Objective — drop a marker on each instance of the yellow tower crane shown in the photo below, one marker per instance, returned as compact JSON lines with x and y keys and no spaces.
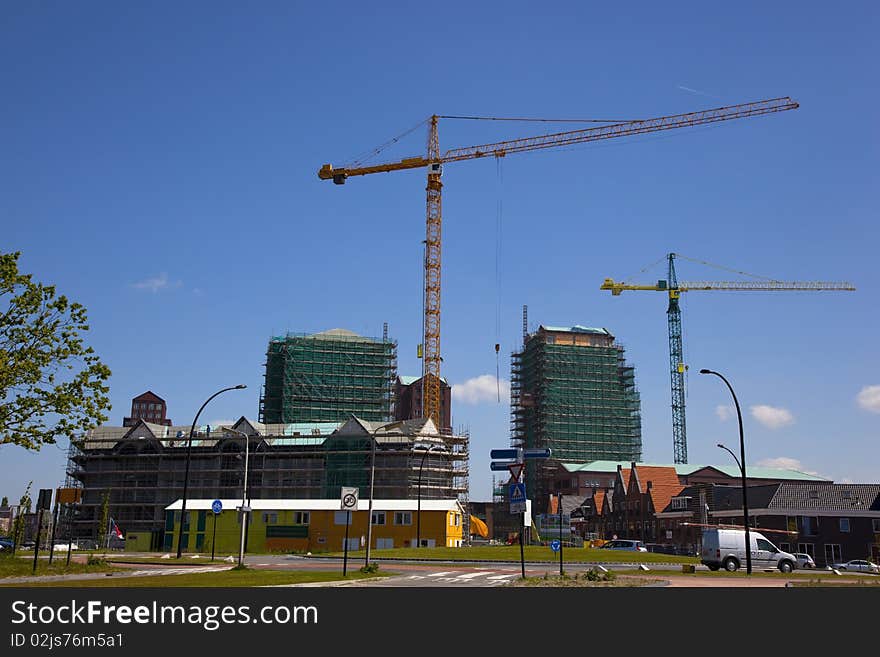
{"x":434,"y":159}
{"x":677,"y":366}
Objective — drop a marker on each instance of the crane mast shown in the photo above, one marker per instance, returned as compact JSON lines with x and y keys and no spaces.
{"x":676,"y":367}
{"x":434,"y":160}
{"x":433,"y":225}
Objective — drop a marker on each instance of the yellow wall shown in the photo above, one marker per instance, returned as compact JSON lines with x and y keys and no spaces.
{"x":322,"y":534}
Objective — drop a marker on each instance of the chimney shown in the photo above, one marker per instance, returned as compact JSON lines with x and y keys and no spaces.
{"x":650,"y":485}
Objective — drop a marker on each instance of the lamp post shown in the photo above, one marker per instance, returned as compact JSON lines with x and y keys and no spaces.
{"x":741,"y":462}
{"x":370,"y":505}
{"x":244,"y":507}
{"x":419,"y":504}
{"x":188,"y":456}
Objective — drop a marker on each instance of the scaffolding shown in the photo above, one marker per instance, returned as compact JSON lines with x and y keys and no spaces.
{"x":142,"y":468}
{"x":572,"y":391}
{"x":326,"y":377}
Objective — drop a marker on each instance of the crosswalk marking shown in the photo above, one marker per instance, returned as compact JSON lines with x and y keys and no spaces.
{"x":451,"y":572}
{"x":470,"y":575}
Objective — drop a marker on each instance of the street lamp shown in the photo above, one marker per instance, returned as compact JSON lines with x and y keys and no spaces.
{"x":370,"y":506}
{"x":741,"y":462}
{"x":188,"y":455}
{"x":419,"y":507}
{"x":244,"y":507}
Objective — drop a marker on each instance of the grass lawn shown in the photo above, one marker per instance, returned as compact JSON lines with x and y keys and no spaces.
{"x":20,"y":566}
{"x":225,"y":578}
{"x":533,"y":553}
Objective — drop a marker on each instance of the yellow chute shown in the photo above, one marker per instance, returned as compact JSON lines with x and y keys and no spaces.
{"x":479,"y":527}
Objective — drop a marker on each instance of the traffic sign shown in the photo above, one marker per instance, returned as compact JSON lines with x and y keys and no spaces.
{"x":501,"y":466}
{"x":555,"y":545}
{"x":504,"y":453}
{"x":537,"y":453}
{"x":516,"y":470}
{"x":216,"y":506}
{"x":517,"y":498}
{"x":348,"y":499}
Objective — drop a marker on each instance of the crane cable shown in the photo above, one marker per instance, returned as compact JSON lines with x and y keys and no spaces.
{"x":499,"y":213}
{"x":723,"y":268}
{"x":361,"y":159}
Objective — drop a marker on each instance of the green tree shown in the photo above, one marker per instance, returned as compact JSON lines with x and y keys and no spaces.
{"x":5,"y":503}
{"x":51,"y":383}
{"x":24,"y":507}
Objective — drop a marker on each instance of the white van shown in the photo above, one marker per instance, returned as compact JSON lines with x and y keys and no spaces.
{"x":725,"y":548}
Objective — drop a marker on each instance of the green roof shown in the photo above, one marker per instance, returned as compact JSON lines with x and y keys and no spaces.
{"x":577,"y":328}
{"x":752,"y":472}
{"x":409,"y":380}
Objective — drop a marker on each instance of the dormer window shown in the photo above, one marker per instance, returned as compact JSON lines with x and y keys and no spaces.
{"x":681,"y":503}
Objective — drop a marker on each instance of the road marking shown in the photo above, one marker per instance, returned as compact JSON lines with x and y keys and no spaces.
{"x":451,"y":572}
{"x":470,"y":575}
{"x":497,"y":577}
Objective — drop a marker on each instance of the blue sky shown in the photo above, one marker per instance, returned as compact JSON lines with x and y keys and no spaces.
{"x":159,"y":165}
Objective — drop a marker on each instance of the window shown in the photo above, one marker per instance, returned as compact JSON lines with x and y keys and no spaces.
{"x":807,"y":548}
{"x":844,"y":525}
{"x":456,"y":520}
{"x":875,"y":523}
{"x":681,"y":503}
{"x":809,"y":525}
{"x":270,"y":518}
{"x":403,"y":518}
{"x":340,"y":517}
{"x":764,"y":544}
{"x":785,"y":547}
{"x":378,"y":517}
{"x":300,"y":517}
{"x":832,"y":553}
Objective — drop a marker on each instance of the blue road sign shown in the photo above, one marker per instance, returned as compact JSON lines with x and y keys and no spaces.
{"x":517,"y":494}
{"x":555,"y":545}
{"x":504,"y":453}
{"x":500,"y":465}
{"x":216,"y":506}
{"x":538,"y":453}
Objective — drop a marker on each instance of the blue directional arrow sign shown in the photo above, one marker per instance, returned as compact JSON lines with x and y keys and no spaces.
{"x":554,"y":545}
{"x":504,"y":453}
{"x":500,"y":466}
{"x":216,"y":506}
{"x":537,"y":453}
{"x":517,"y":494}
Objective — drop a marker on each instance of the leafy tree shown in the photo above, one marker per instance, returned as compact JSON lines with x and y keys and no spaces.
{"x":51,"y":383}
{"x":5,"y":503}
{"x":25,"y":507}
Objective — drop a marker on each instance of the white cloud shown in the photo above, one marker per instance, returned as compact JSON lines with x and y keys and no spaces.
{"x":483,"y":388}
{"x":695,"y":91}
{"x":156,"y":283}
{"x":785,"y":463}
{"x":772,"y":417}
{"x":869,"y":398}
{"x":724,"y":413}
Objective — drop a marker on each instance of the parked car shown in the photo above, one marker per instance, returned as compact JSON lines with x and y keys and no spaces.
{"x":61,"y":546}
{"x":6,"y":545}
{"x":725,"y":548}
{"x":804,"y":560}
{"x":625,"y":544}
{"x":858,"y":566}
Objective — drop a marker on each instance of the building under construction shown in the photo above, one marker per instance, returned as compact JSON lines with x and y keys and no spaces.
{"x":572,"y":391}
{"x":137,"y":471}
{"x":327,"y":377}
